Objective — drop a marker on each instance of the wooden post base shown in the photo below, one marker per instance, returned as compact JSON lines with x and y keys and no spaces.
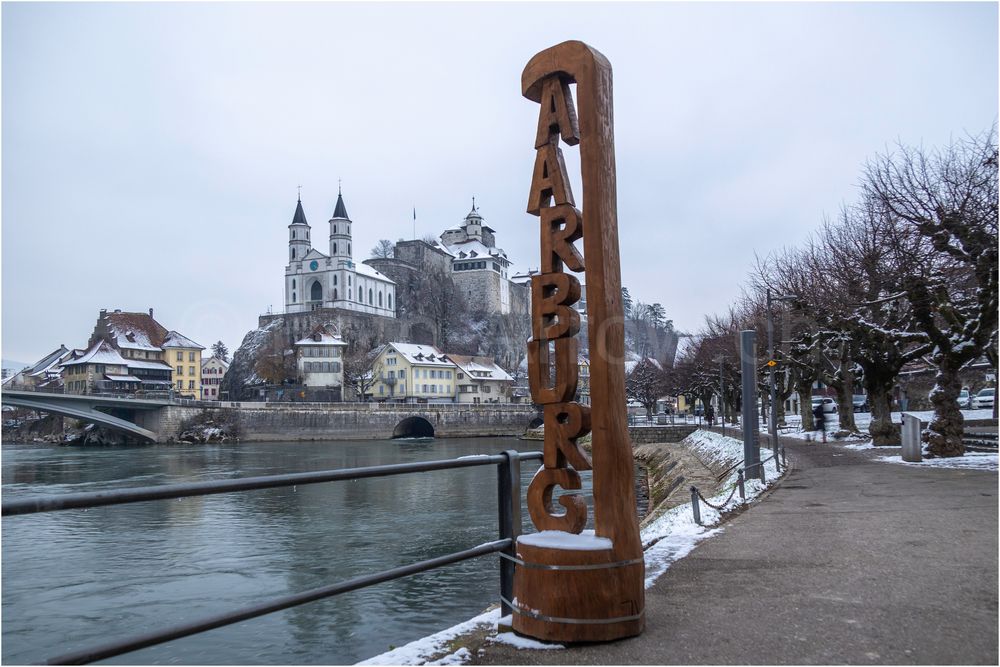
{"x":572,"y":588}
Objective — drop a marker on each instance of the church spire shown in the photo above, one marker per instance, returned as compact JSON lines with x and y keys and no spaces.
{"x":340,"y":211}
{"x":300,"y":216}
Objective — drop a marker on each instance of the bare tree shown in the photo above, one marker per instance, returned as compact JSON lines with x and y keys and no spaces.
{"x":941,"y":210}
{"x":647,"y":383}
{"x":384,"y":249}
{"x":361,"y":371}
{"x":276,"y":366}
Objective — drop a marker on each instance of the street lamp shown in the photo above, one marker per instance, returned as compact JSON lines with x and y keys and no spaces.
{"x":722,"y":394}
{"x":772,"y":426}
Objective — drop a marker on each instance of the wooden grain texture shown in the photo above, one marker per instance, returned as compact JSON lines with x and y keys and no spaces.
{"x":614,"y":594}
{"x":590,"y":598}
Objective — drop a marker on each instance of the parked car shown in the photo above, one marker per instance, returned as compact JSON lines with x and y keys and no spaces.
{"x":860,"y":402}
{"x":984,"y":399}
{"x":964,"y":399}
{"x":829,"y":405}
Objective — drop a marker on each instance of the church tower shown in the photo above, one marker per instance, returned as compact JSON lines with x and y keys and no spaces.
{"x":299,"y":243}
{"x":340,"y":233}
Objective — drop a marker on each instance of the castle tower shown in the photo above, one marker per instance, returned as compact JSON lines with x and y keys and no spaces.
{"x":340,"y":232}
{"x":299,"y":243}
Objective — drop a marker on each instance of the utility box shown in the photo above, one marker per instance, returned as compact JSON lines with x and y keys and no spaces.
{"x":911,"y":439}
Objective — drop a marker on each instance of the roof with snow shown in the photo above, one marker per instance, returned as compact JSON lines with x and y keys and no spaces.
{"x":426,"y":355}
{"x":100,"y":352}
{"x":473,"y":249}
{"x":321,"y":336}
{"x":175,"y":339}
{"x":209,"y":360}
{"x":47,"y":362}
{"x":480,"y":368}
{"x":149,"y":364}
{"x":135,"y":331}
{"x":363,"y":269}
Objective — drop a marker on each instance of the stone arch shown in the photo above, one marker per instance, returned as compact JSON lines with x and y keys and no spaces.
{"x":536,"y":422}
{"x":413,"y":427}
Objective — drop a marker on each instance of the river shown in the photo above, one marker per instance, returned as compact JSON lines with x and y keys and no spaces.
{"x":76,"y":578}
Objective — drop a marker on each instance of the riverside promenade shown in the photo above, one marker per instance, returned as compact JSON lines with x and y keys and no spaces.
{"x":847,"y":561}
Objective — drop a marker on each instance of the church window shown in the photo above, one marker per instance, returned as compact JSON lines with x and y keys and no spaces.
{"x":348,"y":281}
{"x":293,"y":253}
{"x":293,"y":297}
{"x":390,"y":300}
{"x":293,"y":283}
{"x":335,"y":279}
{"x":334,"y":228}
{"x":334,"y":293}
{"x":380,"y":299}
{"x":361,"y":298}
{"x":316,"y":292}
{"x":370,"y":300}
{"x":293,"y":233}
{"x":334,"y":248}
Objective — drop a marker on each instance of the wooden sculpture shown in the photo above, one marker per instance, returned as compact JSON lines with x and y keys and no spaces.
{"x":570,"y":584}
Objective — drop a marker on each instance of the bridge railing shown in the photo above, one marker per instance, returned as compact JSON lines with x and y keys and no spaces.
{"x":508,"y":515}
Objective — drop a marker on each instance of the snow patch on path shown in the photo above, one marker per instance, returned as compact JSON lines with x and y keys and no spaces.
{"x":970,"y":461}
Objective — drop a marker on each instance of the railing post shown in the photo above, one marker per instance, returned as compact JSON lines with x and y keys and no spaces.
{"x":695,"y":508}
{"x":743,"y":490}
{"x":509,"y":513}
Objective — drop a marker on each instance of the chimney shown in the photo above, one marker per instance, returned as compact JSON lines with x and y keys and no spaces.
{"x":104,"y":311}
{"x":150,"y":312}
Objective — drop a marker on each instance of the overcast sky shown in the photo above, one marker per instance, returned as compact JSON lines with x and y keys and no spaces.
{"x":151,"y":152}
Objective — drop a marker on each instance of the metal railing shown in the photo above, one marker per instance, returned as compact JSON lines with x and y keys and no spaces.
{"x":741,"y":476}
{"x":509,"y":520}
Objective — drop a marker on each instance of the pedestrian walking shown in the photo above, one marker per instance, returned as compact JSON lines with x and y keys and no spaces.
{"x":819,"y":417}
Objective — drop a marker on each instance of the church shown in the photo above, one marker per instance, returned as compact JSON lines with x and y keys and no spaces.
{"x":314,"y":280}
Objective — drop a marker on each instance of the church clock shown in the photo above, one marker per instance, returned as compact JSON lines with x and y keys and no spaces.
{"x":313,"y":265}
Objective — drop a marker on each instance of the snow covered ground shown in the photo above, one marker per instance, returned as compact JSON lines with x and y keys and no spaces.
{"x":666,"y":540}
{"x":970,"y":461}
{"x":863,"y":420}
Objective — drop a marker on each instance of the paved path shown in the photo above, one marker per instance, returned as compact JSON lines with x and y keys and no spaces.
{"x":848,"y":561}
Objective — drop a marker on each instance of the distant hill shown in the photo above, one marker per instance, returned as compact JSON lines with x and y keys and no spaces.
{"x":13,"y":365}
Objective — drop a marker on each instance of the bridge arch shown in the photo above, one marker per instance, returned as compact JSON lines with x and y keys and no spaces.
{"x":413,"y":427}
{"x":537,"y":421}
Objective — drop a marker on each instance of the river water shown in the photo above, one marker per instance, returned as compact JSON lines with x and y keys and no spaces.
{"x":76,"y":578}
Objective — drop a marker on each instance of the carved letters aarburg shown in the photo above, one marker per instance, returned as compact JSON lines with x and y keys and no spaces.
{"x":592,"y":591}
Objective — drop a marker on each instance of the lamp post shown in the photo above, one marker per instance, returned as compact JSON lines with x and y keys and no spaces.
{"x":722,"y":395}
{"x":772,"y":426}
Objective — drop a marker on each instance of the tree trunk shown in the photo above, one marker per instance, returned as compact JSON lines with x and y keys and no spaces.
{"x":845,"y":405}
{"x":883,"y":432}
{"x":944,"y":435}
{"x":804,"y":390}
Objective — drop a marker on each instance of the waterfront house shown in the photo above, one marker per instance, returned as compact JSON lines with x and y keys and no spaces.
{"x":319,"y":360}
{"x":480,"y":380}
{"x":99,"y":368}
{"x":412,"y":373}
{"x":212,"y":371}
{"x":184,"y":355}
{"x":43,"y":375}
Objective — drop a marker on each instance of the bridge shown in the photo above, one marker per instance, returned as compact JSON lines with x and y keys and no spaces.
{"x":87,"y":408}
{"x":163,"y":420}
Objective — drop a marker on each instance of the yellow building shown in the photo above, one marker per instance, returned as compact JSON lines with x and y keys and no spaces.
{"x":184,"y":356}
{"x":411,"y":373}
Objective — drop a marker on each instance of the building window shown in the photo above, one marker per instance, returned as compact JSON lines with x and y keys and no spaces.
{"x":370,"y":300}
{"x":335,"y":291}
{"x":294,"y":297}
{"x":380,"y":299}
{"x":190,"y":370}
{"x":180,"y":370}
{"x":348,"y":246}
{"x":180,"y":356}
{"x":335,"y":279}
{"x":335,"y":229}
{"x":191,"y":358}
{"x":293,"y":283}
{"x":293,"y":253}
{"x":190,"y":384}
{"x":361,"y":298}
{"x":180,"y":384}
{"x":334,"y":248}
{"x":402,"y":374}
{"x":390,"y":300}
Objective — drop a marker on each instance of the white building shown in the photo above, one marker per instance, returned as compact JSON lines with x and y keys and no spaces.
{"x":480,"y":380}
{"x":319,"y":358}
{"x":315,"y":280}
{"x":213,"y":370}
